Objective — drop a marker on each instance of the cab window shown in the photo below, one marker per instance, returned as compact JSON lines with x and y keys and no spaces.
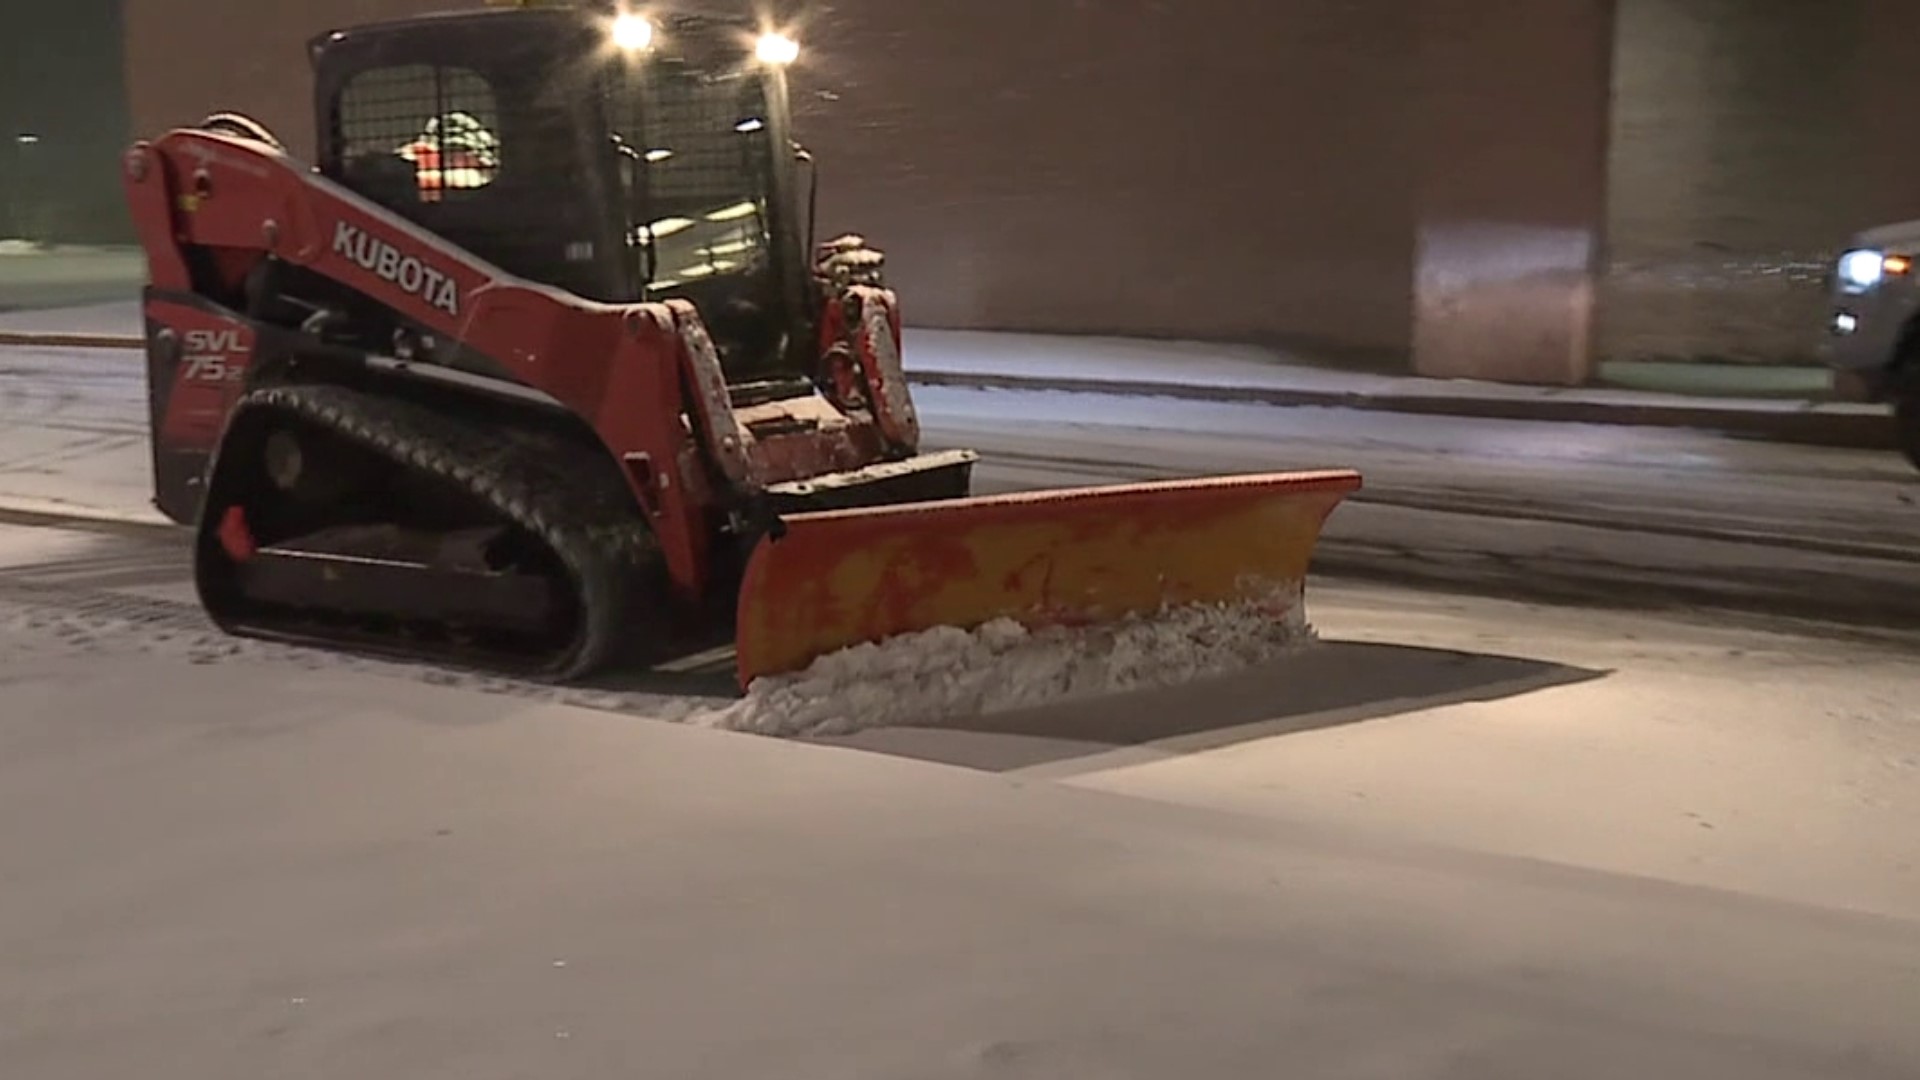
{"x":438,"y":125}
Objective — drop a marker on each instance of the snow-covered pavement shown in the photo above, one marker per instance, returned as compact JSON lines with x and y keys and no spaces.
{"x":1638,"y":516}
{"x":1781,"y":762}
{"x":369,"y":880}
{"x":73,"y":433}
{"x":1457,"y":837}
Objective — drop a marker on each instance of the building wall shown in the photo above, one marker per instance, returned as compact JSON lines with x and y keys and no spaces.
{"x":1202,"y":169}
{"x":187,"y":58}
{"x":1210,"y":168}
{"x":1750,"y":138}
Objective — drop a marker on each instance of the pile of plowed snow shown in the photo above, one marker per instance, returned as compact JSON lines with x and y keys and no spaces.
{"x":941,"y":674}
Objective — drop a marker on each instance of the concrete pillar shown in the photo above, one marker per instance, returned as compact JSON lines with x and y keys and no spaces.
{"x":1510,"y":152}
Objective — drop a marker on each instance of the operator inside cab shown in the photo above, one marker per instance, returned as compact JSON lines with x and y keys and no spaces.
{"x":455,"y":151}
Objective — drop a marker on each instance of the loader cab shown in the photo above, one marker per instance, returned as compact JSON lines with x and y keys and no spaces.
{"x":563,"y":148}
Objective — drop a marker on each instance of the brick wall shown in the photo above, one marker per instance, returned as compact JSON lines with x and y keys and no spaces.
{"x":186,"y":59}
{"x":1749,"y":138}
{"x":1201,"y":168}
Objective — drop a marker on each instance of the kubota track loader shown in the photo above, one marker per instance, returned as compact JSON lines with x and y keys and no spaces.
{"x":539,"y":368}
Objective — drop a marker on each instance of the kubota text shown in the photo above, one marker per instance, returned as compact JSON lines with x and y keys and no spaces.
{"x":391,"y":264}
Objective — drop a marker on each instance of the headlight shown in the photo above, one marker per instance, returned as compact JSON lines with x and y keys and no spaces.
{"x":632,"y":32}
{"x":1862,"y":270}
{"x":777,"y":49}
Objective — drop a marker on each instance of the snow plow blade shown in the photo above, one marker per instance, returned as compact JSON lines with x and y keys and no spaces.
{"x":1073,"y":557}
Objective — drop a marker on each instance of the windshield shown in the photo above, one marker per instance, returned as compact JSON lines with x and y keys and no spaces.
{"x":698,"y":168}
{"x":698,"y":174}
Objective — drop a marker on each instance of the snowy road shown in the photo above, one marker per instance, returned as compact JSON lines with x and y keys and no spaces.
{"x":1783,"y":762}
{"x":73,"y":431}
{"x":1459,"y":837}
{"x":1642,"y":516}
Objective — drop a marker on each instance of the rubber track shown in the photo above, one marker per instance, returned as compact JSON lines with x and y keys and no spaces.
{"x":569,"y":495}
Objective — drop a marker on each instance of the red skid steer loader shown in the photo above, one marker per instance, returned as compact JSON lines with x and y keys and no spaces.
{"x":538,"y":368}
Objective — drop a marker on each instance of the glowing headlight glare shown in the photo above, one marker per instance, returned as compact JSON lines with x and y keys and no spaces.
{"x":669,"y":226}
{"x":777,"y":49}
{"x":734,"y":212}
{"x":1862,"y":269}
{"x":632,"y":32}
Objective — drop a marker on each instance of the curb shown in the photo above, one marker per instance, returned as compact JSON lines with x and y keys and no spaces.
{"x":1860,"y":430}
{"x":71,"y":341}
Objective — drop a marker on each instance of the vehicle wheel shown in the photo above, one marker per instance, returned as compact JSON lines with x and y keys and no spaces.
{"x":1906,"y":415}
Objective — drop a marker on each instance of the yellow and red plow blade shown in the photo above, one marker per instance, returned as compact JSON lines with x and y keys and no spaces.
{"x":1048,"y":558}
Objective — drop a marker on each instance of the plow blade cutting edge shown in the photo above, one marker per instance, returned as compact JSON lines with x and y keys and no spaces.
{"x":1049,"y":558}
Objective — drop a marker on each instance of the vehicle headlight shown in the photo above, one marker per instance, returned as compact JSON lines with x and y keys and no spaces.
{"x":1863,"y":269}
{"x":777,"y":49}
{"x":632,"y":32}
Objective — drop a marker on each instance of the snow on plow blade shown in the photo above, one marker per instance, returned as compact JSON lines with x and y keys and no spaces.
{"x":1048,"y":558}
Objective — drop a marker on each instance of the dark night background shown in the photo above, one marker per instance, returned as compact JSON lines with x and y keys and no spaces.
{"x":62,"y":78}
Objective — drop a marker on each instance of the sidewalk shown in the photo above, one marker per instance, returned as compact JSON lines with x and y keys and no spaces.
{"x":65,"y":276}
{"x":1228,"y":373}
{"x":1201,"y":372}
